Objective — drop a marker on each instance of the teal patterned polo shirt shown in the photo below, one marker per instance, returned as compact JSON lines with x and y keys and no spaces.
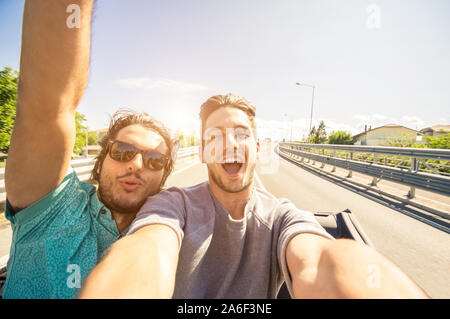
{"x":57,"y":241}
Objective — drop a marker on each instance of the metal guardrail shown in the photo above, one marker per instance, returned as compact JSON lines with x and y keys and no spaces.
{"x":410,"y":176}
{"x":83,"y":168}
{"x":429,"y":153}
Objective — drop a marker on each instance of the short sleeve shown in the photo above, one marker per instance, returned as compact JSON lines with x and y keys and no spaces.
{"x":294,"y":221}
{"x":166,"y":208}
{"x":47,"y":205}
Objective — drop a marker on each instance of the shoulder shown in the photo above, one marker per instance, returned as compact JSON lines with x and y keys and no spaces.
{"x":273,"y":209}
{"x":191,"y":193}
{"x":178,"y":198}
{"x":265,"y":205}
{"x":64,"y":198}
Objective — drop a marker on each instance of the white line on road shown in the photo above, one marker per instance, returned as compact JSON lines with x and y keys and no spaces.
{"x":4,"y":260}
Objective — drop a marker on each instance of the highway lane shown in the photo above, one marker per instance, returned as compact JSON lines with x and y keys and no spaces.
{"x":420,"y":250}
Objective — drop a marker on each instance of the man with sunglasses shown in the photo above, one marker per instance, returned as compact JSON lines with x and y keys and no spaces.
{"x":226,"y":238}
{"x":62,"y":226}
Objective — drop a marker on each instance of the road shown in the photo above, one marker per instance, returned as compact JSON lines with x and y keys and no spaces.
{"x":420,"y":250}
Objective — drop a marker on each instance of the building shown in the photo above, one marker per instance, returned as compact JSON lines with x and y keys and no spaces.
{"x":386,"y":134}
{"x":93,"y":150}
{"x":100,"y":133}
{"x":435,"y":130}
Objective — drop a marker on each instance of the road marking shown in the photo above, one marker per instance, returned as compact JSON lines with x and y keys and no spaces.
{"x":4,"y":260}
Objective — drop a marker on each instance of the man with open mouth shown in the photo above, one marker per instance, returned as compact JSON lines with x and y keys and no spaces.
{"x":226,"y":238}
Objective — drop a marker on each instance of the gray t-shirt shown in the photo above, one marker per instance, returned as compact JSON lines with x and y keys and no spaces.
{"x":221,"y":257}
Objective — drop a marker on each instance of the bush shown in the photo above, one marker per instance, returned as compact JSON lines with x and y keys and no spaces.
{"x":340,"y":137}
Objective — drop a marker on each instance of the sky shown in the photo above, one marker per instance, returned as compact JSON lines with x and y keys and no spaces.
{"x":371,"y":62}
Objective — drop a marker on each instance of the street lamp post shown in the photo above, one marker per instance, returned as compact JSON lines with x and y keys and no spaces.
{"x":312,"y":107}
{"x":87,"y":142}
{"x":287,"y":116}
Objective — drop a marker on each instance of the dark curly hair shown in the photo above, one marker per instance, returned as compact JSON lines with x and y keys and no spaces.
{"x":123,"y":118}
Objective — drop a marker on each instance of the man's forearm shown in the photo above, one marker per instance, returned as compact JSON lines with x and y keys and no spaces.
{"x":141,"y":265}
{"x":54,"y":63}
{"x":348,"y":269}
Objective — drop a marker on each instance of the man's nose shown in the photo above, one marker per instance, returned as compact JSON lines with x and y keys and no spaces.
{"x":231,"y":147}
{"x":231,"y":141}
{"x":136,"y":163}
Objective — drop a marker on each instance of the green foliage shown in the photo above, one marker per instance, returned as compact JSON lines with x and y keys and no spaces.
{"x":187,"y":140}
{"x":80,"y":138}
{"x":92,"y":138}
{"x":340,"y":137}
{"x":441,"y":141}
{"x":9,"y":80}
{"x":319,"y":136}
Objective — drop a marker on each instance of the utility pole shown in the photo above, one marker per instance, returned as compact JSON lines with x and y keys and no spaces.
{"x":312,"y":107}
{"x":87,"y":151}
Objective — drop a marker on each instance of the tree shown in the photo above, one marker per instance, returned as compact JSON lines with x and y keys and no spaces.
{"x":340,"y":137}
{"x":9,"y":80}
{"x":312,"y":135}
{"x":318,"y":136}
{"x":92,"y":138}
{"x":441,"y":141}
{"x":80,"y":137}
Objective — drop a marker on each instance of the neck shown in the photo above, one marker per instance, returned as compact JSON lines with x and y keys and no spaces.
{"x":234,"y":203}
{"x":122,"y":220}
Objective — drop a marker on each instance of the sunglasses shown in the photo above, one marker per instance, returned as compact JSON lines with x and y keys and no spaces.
{"x":124,"y":152}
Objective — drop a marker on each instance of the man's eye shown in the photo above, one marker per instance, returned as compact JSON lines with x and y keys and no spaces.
{"x":214,"y":138}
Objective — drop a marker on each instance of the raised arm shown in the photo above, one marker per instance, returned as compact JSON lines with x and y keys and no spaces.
{"x":54,"y":67}
{"x":141,"y":265}
{"x":321,"y":268}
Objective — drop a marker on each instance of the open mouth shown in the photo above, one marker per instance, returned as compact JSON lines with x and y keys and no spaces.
{"x":232,"y":169}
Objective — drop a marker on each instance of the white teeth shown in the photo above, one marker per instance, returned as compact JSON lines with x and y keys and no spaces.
{"x":234,"y":160}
